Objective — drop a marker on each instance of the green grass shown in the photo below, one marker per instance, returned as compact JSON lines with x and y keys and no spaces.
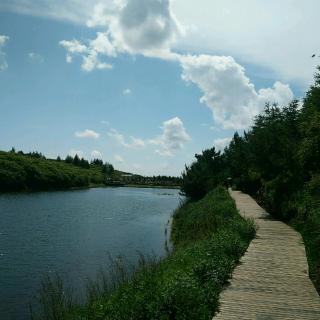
{"x":209,"y":238}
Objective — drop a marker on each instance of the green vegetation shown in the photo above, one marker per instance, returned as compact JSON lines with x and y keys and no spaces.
{"x":209,"y":237}
{"x":276,"y":161}
{"x":30,"y":172}
{"x":155,"y":181}
{"x":33,"y":172}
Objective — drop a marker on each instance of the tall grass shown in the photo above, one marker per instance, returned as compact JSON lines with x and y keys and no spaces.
{"x":55,"y":300}
{"x":209,"y":237}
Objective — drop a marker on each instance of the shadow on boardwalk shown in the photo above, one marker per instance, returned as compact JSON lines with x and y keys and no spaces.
{"x":271,"y":282}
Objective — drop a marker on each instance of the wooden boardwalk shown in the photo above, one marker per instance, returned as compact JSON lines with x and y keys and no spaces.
{"x":271,"y":281}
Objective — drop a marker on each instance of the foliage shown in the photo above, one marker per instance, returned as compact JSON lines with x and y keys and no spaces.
{"x":24,"y":172}
{"x":196,"y":181}
{"x":277,"y":161}
{"x":135,"y":179}
{"x":54,"y":300}
{"x":184,"y":285}
{"x":32,"y":172}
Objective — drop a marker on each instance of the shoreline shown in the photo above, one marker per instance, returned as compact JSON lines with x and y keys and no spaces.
{"x":93,"y":186}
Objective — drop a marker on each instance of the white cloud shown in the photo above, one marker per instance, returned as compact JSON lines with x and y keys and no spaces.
{"x":150,"y":28}
{"x":3,"y":61}
{"x":73,"y":46}
{"x":3,"y":39}
{"x":138,"y":26}
{"x":118,"y":158}
{"x":146,"y":27}
{"x":90,"y":53}
{"x":227,"y":91}
{"x":35,"y":57}
{"x":91,"y":62}
{"x":263,"y":33}
{"x":102,"y":44}
{"x":96,"y":154}
{"x":173,"y":138}
{"x":87,"y":134}
{"x":280,"y":93}
{"x":126,"y":92}
{"x":135,"y":143}
{"x":220,"y":144}
{"x":103,"y":12}
{"x":69,"y":58}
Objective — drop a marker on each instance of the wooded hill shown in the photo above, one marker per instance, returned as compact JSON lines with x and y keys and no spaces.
{"x":33,"y":172}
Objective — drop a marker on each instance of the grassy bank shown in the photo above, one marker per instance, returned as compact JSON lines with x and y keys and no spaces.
{"x":209,"y":238}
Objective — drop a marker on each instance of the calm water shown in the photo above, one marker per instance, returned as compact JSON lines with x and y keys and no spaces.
{"x":72,"y":233}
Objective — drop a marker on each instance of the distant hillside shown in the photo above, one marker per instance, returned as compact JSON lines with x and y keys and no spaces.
{"x":19,"y":172}
{"x":33,"y":172}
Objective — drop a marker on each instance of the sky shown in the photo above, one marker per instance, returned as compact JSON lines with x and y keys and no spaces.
{"x":146,"y":84}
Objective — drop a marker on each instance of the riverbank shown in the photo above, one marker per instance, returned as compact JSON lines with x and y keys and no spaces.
{"x":32,"y":172}
{"x":73,"y":233}
{"x":208,"y":236}
{"x":151,"y":186}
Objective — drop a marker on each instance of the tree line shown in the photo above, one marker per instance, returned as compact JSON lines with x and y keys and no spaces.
{"x":21,"y":171}
{"x":278,"y":162}
{"x":32,"y":171}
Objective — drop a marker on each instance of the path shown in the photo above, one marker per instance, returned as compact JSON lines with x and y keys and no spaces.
{"x":271,"y":282}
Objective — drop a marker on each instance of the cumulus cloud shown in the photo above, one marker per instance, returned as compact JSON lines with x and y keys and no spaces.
{"x":87,"y":134}
{"x":227,"y":91}
{"x":255,"y":31}
{"x":135,"y":143}
{"x":220,"y":144}
{"x":146,"y":27}
{"x":96,"y":154}
{"x":90,"y":52}
{"x":73,"y":46}
{"x":280,"y":94}
{"x":218,"y":28}
{"x":3,"y":61}
{"x":149,"y":28}
{"x":138,"y":26}
{"x":173,"y":137}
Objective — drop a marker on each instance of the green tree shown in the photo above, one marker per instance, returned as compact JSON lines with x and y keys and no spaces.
{"x":203,"y":174}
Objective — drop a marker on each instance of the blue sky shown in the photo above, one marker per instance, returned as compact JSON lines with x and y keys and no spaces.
{"x":125,"y":85}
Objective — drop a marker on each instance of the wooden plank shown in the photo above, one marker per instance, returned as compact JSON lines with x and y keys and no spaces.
{"x":271,"y":282}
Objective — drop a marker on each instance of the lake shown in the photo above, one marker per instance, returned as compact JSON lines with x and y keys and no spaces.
{"x":72,"y":233}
